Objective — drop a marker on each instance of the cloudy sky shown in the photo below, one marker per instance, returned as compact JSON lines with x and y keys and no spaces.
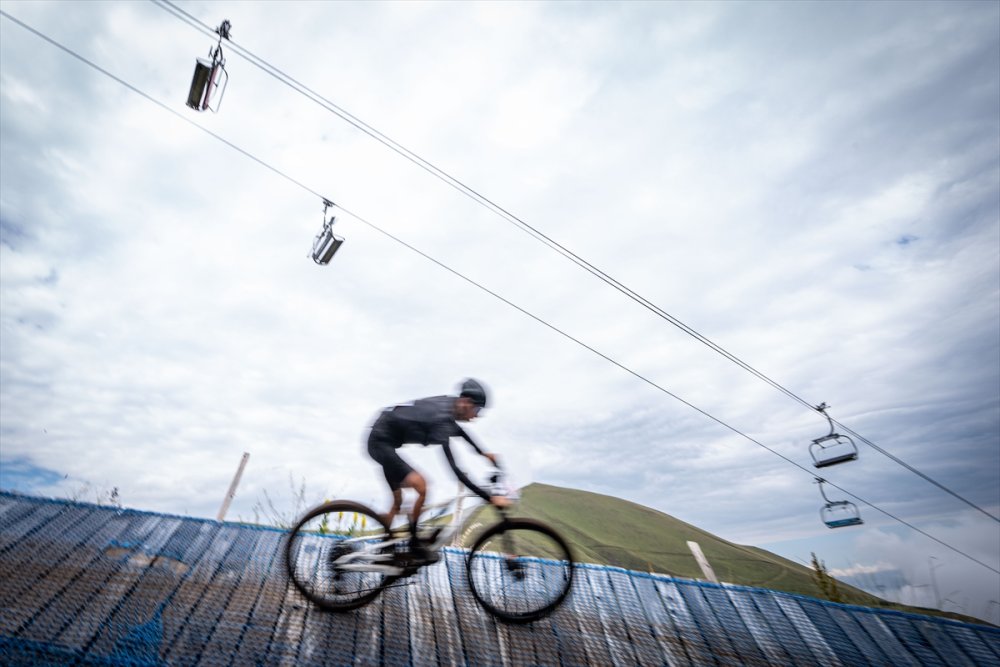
{"x":813,"y":187}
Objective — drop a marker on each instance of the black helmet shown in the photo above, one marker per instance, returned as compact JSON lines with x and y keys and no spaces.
{"x":474,"y":391}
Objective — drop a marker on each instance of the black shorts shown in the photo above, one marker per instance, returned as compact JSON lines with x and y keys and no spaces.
{"x":383,"y":451}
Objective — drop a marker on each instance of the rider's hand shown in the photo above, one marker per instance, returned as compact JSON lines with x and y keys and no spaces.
{"x":500,"y":501}
{"x":492,"y":458}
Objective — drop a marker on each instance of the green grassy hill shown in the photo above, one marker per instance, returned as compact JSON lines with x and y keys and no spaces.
{"x":610,"y":531}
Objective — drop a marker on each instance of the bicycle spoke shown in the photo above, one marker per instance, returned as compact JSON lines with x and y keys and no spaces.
{"x":336,"y":555}
{"x":520,"y":570}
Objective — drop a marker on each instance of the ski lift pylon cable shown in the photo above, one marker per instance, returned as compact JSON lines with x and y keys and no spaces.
{"x":458,"y":185}
{"x":400,"y":241}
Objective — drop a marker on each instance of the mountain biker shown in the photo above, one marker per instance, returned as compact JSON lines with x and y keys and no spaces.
{"x":426,"y":421}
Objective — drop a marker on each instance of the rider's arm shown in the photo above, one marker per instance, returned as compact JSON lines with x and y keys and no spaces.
{"x":468,"y":438}
{"x":462,"y":477}
{"x":475,"y":445}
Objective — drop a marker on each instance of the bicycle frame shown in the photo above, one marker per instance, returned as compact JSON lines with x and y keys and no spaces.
{"x":382,"y":556}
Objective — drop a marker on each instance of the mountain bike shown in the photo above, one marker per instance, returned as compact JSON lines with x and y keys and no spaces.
{"x":341,"y":555}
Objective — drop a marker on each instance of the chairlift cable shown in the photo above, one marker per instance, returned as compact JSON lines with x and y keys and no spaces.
{"x":472,"y":282}
{"x":534,"y":232}
{"x":906,"y":465}
{"x":160,"y":104}
{"x":655,"y":385}
{"x":458,"y":185}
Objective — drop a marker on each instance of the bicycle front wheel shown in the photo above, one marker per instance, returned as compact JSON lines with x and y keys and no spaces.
{"x":338,"y":555}
{"x":520,"y":570}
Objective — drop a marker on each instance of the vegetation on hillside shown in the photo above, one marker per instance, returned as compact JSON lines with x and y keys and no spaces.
{"x":826,"y":583}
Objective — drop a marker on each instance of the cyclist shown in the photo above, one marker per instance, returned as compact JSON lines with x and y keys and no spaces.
{"x":426,"y":421}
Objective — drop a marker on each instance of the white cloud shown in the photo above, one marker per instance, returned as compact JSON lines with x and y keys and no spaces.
{"x":814,"y":188}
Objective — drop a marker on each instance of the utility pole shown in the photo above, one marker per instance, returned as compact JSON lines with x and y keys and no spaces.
{"x":232,"y":487}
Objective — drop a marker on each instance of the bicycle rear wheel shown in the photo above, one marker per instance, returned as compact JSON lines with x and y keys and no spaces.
{"x":520,"y":570}
{"x":337,"y":554}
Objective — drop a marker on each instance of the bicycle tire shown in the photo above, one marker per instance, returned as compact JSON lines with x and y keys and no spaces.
{"x":520,"y":570}
{"x":321,"y":536}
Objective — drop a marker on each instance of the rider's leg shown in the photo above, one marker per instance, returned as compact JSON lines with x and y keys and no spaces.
{"x":397,"y":501}
{"x":419,"y":550}
{"x":394,"y":468}
{"x":414,"y":480}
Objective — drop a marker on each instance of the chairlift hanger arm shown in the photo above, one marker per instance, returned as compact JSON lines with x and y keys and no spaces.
{"x":223,"y":32}
{"x":820,"y":481}
{"x":821,"y":408}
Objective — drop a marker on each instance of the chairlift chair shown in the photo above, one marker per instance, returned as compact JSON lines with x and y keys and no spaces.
{"x":326,"y":243}
{"x":210,"y":76}
{"x":838,"y":513}
{"x":832,"y":448}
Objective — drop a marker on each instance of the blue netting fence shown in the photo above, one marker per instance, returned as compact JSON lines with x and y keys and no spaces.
{"x":83,"y":584}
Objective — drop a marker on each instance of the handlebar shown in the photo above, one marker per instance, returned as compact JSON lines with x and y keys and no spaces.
{"x":497,"y":484}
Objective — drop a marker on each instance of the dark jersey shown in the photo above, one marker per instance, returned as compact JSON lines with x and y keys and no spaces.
{"x":427,"y":421}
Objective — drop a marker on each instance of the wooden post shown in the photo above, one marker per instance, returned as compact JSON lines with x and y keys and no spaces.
{"x":232,"y":487}
{"x":706,"y":568}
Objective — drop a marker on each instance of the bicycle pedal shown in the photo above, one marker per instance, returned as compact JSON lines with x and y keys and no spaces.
{"x":418,"y":557}
{"x":408,"y":565}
